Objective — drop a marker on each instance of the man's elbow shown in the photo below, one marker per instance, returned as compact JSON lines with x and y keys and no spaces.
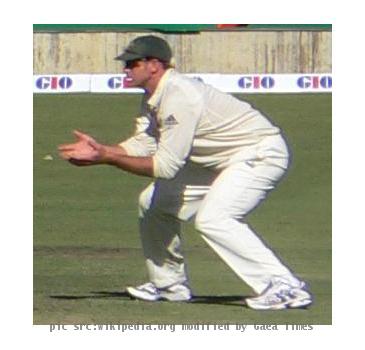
{"x":168,"y":171}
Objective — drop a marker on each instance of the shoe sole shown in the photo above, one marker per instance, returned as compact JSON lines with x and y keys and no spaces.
{"x":297,"y":304}
{"x":142,"y":295}
{"x":175,"y":299}
{"x":302,"y":304}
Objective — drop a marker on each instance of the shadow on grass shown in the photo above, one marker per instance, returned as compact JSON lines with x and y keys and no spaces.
{"x":236,"y":300}
{"x":93,"y":295}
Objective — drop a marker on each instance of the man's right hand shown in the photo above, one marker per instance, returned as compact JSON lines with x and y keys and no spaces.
{"x":85,"y":151}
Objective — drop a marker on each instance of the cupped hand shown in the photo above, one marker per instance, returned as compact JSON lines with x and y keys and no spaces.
{"x":85,"y":151}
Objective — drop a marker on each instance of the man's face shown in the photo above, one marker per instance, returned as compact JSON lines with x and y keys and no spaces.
{"x":138,"y":72}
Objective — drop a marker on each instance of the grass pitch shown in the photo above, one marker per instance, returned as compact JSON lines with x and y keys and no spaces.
{"x":86,"y":241}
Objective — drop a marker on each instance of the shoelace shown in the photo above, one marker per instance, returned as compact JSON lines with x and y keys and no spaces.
{"x":148,"y":287}
{"x":279,"y":296}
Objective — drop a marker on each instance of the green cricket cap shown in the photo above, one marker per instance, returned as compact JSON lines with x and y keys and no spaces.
{"x":146,"y":46}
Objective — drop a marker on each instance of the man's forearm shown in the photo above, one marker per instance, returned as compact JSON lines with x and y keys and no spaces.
{"x":117,"y":156}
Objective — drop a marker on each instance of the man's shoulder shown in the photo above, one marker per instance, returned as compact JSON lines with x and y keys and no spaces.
{"x":180,"y":82}
{"x":176,"y":77}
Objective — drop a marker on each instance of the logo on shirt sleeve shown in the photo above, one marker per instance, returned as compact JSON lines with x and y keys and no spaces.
{"x":170,"y":121}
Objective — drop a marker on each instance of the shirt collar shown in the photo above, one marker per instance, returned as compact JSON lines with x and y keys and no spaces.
{"x":155,"y":99}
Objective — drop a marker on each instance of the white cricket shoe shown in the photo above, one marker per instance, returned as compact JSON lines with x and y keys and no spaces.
{"x":149,"y":292}
{"x":280,"y":295}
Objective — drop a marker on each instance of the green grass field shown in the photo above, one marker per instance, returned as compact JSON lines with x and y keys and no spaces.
{"x":86,"y":241}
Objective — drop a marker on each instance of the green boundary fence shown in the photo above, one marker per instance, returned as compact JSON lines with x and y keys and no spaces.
{"x":166,"y":28}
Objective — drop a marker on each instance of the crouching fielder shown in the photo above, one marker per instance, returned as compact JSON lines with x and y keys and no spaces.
{"x":213,"y":158}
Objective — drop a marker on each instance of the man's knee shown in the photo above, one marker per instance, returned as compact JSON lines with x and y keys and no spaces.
{"x":206,"y":220}
{"x":158,"y":198}
{"x":209,"y":220}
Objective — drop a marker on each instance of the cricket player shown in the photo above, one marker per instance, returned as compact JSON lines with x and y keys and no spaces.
{"x":212,"y":158}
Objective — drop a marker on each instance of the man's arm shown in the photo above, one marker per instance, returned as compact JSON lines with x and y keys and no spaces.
{"x":136,"y":165}
{"x":142,"y":143}
{"x":86,"y":151}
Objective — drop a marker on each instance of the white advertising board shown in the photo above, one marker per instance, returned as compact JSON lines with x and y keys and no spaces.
{"x":61,"y":83}
{"x":233,"y":83}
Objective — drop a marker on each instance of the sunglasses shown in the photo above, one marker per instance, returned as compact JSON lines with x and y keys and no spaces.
{"x":133,"y":63}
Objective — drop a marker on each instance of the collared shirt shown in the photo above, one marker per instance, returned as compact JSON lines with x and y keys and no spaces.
{"x":186,"y":119}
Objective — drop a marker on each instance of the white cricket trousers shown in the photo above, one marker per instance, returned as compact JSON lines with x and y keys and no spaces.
{"x":219,"y":205}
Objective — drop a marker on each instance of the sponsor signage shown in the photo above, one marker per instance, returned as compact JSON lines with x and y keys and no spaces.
{"x":284,"y":83}
{"x":256,"y":82}
{"x":61,"y":83}
{"x":54,"y":83}
{"x":315,"y":82}
{"x":111,"y":83}
{"x":233,"y":83}
{"x":268,"y":83}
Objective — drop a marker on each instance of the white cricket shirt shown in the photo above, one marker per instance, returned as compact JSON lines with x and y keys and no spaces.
{"x":186,"y":119}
